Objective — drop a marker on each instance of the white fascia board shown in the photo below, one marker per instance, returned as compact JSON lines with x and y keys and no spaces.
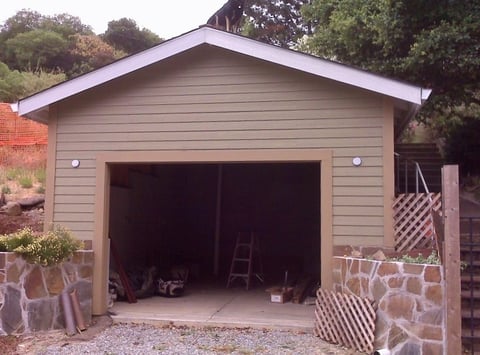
{"x":235,"y":43}
{"x":110,"y":72}
{"x":318,"y":66}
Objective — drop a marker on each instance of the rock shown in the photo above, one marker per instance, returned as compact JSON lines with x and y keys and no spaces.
{"x":33,"y":201}
{"x":40,"y":314}
{"x":12,"y":209}
{"x":356,"y":254}
{"x":11,"y":311}
{"x":379,"y":256}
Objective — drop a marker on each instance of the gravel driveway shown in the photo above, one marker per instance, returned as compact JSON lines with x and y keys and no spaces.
{"x":149,"y":339}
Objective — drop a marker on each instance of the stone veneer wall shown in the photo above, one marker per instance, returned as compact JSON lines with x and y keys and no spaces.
{"x":30,"y":294}
{"x":409,"y":299}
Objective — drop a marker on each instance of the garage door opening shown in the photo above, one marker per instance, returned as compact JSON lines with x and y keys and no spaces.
{"x":171,"y":214}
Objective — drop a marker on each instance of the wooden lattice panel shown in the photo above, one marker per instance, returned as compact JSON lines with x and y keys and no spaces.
{"x":413,"y":222}
{"x":346,"y":320}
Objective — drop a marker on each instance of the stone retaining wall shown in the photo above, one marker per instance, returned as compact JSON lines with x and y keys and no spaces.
{"x":409,"y":298}
{"x":30,"y":294}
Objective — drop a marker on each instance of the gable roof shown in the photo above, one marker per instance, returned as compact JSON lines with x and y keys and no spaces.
{"x":36,"y":106}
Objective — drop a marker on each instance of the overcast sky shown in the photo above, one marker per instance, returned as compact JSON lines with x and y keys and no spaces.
{"x":166,"y":18}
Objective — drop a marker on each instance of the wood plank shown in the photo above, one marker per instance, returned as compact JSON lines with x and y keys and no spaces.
{"x":300,"y":289}
{"x":244,"y":143}
{"x":347,"y":320}
{"x":451,"y":257}
{"x":221,"y":133}
{"x":213,"y":125}
{"x":329,"y":117}
{"x":123,"y":275}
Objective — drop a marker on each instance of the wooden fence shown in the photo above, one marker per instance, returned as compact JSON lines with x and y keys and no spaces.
{"x":346,"y":320}
{"x":413,"y":221}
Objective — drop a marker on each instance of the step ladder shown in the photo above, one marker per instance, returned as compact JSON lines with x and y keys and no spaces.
{"x":246,"y":261}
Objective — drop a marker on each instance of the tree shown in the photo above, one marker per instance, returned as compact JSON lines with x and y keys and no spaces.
{"x":34,"y":82}
{"x":434,"y":44}
{"x":37,"y":49}
{"x":431,"y":43}
{"x":15,"y":85}
{"x":91,"y":52}
{"x":10,"y":84}
{"x":124,"y":35}
{"x":66,"y":25}
{"x":58,"y":28}
{"x":22,"y":21}
{"x":277,"y":22}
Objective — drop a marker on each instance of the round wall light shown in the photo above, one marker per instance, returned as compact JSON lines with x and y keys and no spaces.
{"x":75,"y":163}
{"x":357,"y":161}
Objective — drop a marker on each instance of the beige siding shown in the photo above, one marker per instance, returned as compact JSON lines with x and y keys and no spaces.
{"x":220,"y":101}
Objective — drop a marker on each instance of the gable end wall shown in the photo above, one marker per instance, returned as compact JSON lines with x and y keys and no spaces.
{"x":210,"y":99}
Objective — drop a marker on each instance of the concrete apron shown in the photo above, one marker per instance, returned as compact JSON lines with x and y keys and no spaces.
{"x":207,"y":306}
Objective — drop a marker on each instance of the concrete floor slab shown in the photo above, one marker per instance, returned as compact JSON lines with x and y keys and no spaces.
{"x":216,"y":306}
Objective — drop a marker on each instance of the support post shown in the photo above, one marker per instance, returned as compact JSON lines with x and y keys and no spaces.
{"x":451,"y":260}
{"x":218,"y":219}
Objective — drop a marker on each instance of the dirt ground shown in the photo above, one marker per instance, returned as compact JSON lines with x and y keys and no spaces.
{"x":33,"y":218}
{"x":35,"y":343}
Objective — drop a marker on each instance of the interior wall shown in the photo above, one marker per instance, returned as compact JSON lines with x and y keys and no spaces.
{"x":119,"y":226}
{"x":173,"y":211}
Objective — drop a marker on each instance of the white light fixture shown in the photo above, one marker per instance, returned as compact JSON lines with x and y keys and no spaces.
{"x":357,"y":161}
{"x":75,"y":163}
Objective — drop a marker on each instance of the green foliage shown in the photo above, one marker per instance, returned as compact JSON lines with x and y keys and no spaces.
{"x":66,"y":25}
{"x":432,"y":259}
{"x":6,"y":190}
{"x":40,"y":190}
{"x":41,"y":175}
{"x":60,"y":45}
{"x":37,"y":49}
{"x":90,"y":52}
{"x":434,"y":44}
{"x":10,"y":84}
{"x":43,"y":30}
{"x":15,"y":85}
{"x":14,"y":173}
{"x":34,"y":82}
{"x":463,"y":145}
{"x":48,"y":249}
{"x":124,"y":35}
{"x":275,"y":22}
{"x":25,"y":181}
{"x":19,"y":239}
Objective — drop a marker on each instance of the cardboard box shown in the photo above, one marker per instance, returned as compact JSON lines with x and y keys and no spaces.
{"x":281,"y":294}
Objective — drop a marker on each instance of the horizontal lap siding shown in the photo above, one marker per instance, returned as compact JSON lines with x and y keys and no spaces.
{"x":221,"y":101}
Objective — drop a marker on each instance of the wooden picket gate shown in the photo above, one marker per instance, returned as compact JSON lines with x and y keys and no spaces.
{"x":413,"y":221}
{"x":346,"y":320}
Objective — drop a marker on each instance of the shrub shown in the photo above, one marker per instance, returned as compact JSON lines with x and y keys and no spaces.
{"x":48,"y":249}
{"x":13,"y":173}
{"x":420,"y":259}
{"x":6,"y":190}
{"x":16,"y":240}
{"x":463,"y":146}
{"x":25,"y":181}
{"x":41,"y":175}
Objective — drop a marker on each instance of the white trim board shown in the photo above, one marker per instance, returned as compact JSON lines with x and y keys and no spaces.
{"x":36,"y":106}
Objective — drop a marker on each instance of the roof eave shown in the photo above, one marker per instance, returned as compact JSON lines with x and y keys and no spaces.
{"x":296,"y":60}
{"x":109,"y":72}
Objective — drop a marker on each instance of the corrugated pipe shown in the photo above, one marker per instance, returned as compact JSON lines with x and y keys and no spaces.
{"x":68,"y":313}
{"x":77,"y":310}
{"x":382,"y":352}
